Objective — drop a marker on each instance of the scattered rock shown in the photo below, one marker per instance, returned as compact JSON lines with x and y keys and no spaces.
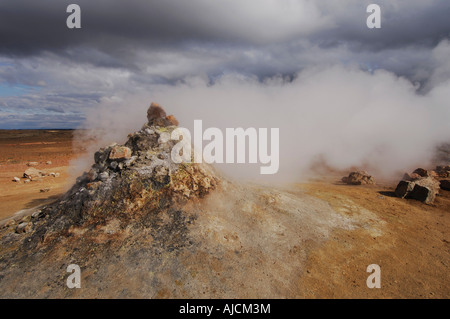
{"x":32,"y":164}
{"x":445,"y":185}
{"x":119,"y":153}
{"x":33,"y":173}
{"x":24,"y":227}
{"x":358,"y":178}
{"x":27,"y":180}
{"x":44,"y":190}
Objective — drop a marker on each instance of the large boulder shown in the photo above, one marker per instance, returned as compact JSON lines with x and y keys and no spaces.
{"x":358,"y":178}
{"x":33,"y":173}
{"x":423,"y":194}
{"x":403,"y":188}
{"x":423,"y":189}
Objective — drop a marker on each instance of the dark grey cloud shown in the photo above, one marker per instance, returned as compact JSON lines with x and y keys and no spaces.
{"x":124,"y":46}
{"x":118,"y":28}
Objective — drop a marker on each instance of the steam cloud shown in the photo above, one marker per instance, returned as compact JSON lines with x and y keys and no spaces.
{"x":338,"y":113}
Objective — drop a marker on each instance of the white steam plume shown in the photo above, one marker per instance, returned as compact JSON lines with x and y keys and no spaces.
{"x":341,"y":114}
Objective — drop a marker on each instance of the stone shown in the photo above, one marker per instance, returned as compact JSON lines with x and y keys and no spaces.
{"x":445,"y":185}
{"x":32,"y":164}
{"x":119,"y":153}
{"x":25,"y":219}
{"x":38,"y":214}
{"x":113,"y":165}
{"x":27,"y":180}
{"x":422,"y":193}
{"x":33,"y":173}
{"x":423,"y":189}
{"x":130,"y":161}
{"x":443,"y":171}
{"x":172,"y":120}
{"x":156,"y":116}
{"x":92,"y":174}
{"x":101,"y":155}
{"x":48,"y":162}
{"x":421,"y":172}
{"x":24,"y":227}
{"x":93,"y":185}
{"x":358,"y":178}
{"x":44,"y":190}
{"x":406,"y":177}
{"x":103,"y":176}
{"x":16,"y":179}
{"x":403,"y":188}
{"x":155,"y":112}
{"x":429,"y":182}
{"x":10,"y":223}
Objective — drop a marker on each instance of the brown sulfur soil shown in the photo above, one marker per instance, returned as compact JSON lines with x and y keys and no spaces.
{"x":409,"y":240}
{"x":412,"y":249}
{"x":19,"y":147}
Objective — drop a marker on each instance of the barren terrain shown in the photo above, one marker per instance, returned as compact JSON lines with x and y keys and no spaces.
{"x":19,"y":147}
{"x":350,"y":228}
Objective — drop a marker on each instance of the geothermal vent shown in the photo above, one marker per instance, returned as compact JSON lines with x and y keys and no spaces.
{"x":139,"y":225}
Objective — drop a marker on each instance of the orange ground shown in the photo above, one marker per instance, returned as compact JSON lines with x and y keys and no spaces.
{"x":17,"y":148}
{"x":412,"y":247}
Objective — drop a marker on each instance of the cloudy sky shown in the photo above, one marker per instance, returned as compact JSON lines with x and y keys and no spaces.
{"x":51,"y":76}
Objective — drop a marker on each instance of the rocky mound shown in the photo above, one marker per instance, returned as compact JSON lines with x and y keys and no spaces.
{"x":139,"y":225}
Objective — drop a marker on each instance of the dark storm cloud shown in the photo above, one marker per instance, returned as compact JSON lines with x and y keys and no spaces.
{"x":404,"y":23}
{"x":117,"y":28}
